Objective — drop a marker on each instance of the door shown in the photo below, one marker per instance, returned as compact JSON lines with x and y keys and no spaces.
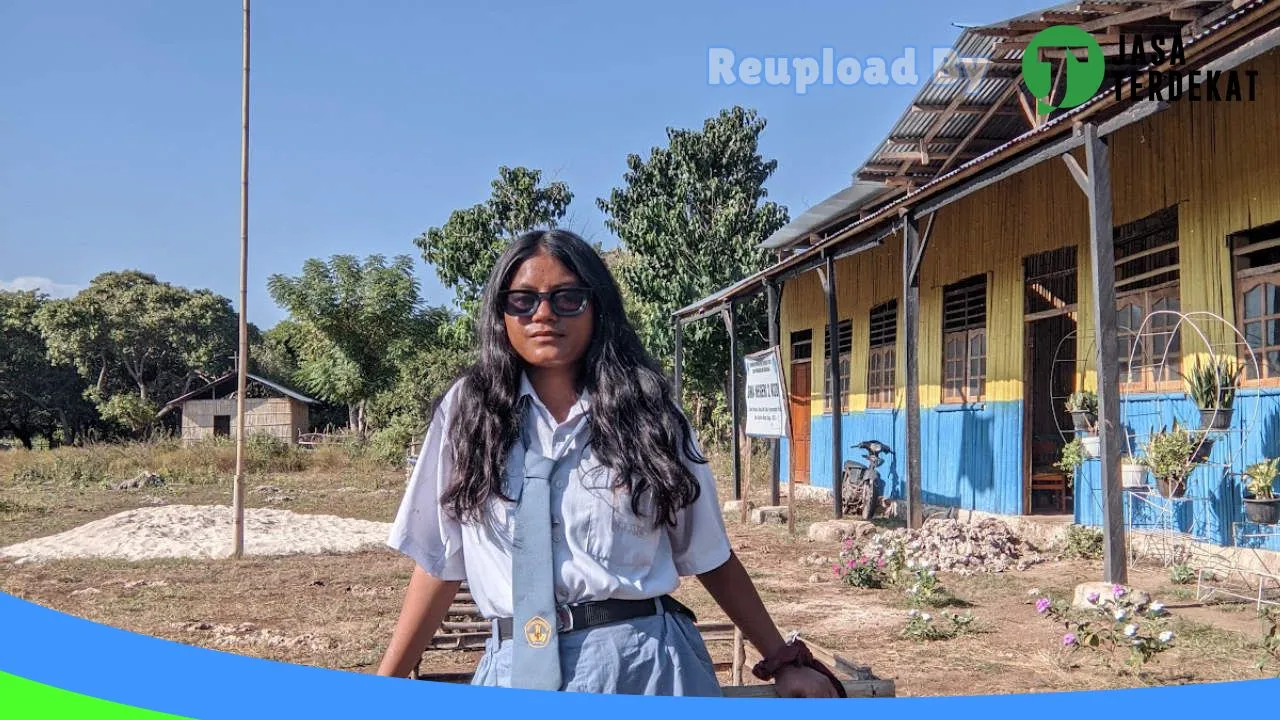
{"x":800,"y":419}
{"x":221,"y":425}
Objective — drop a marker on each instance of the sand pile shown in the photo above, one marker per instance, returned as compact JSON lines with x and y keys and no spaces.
{"x":192,"y":531}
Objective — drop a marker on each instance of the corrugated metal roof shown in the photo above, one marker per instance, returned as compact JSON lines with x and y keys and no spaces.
{"x":845,"y":202}
{"x":1026,"y":138}
{"x":231,"y":376}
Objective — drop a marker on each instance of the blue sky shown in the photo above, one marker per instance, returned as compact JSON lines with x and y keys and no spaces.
{"x":120,"y":127}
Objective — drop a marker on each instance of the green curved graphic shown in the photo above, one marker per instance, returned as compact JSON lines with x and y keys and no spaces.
{"x":22,"y":699}
{"x":1082,"y":77}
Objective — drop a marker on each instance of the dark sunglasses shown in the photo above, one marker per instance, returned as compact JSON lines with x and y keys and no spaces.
{"x":565,"y":302}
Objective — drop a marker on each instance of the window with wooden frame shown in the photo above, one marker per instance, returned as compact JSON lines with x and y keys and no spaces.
{"x":1256,"y":265}
{"x":964,"y":340}
{"x":846,"y":347}
{"x":880,"y":357}
{"x":1147,"y":291}
{"x":801,"y":346}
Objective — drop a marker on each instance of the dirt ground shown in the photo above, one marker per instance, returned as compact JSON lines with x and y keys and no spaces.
{"x":338,"y":611}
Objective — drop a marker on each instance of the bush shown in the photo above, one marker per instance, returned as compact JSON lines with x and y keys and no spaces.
{"x":1083,"y":543}
{"x":921,"y":627}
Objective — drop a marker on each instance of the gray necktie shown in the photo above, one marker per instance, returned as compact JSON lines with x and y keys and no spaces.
{"x":535,"y":660}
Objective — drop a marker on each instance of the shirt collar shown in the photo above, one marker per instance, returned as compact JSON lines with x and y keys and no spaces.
{"x":581,"y":407}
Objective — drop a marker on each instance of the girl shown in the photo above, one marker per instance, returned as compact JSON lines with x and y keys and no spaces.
{"x":563,"y":483}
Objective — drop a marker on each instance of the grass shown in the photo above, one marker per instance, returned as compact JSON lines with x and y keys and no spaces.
{"x":338,"y":611}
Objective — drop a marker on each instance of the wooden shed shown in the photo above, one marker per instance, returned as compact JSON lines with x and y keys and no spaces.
{"x":270,"y":408}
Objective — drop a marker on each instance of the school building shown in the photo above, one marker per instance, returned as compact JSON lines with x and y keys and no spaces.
{"x":956,"y":274}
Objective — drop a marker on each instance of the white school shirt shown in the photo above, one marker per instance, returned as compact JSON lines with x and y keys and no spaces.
{"x":601,"y":550}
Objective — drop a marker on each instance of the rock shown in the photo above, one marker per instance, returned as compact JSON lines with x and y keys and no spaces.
{"x":1103,"y":589}
{"x":733,"y":508}
{"x":964,"y":548}
{"x":769,"y":514}
{"x":142,"y":480}
{"x":85,"y":592}
{"x":838,"y":530}
{"x":815,"y":578}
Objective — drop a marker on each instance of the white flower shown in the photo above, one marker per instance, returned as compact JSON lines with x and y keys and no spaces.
{"x":1120,"y":614}
{"x":1033,"y":592}
{"x":926,"y":617}
{"x":1157,"y":607}
{"x":913,"y":613}
{"x":1130,"y":630}
{"x":1166,"y":636}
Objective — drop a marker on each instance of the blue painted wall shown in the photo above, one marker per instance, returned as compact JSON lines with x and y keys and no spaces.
{"x":971,"y":457}
{"x":1214,"y":499}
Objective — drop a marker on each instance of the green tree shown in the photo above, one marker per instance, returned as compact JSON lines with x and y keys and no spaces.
{"x":139,"y":342}
{"x":465,"y":249}
{"x":691,"y":218}
{"x":352,"y":321}
{"x":37,"y":398}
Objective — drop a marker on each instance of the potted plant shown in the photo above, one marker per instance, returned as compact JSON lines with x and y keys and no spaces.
{"x":1083,"y":406}
{"x":1133,"y":471}
{"x":1090,"y":445}
{"x":1072,"y":456}
{"x":1171,"y":456}
{"x":1260,"y":503}
{"x":1212,"y":386}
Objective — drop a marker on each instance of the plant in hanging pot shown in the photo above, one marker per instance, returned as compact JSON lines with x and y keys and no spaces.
{"x":1170,"y":454}
{"x":1260,"y":503}
{"x":1083,"y":406}
{"x":1072,"y":456}
{"x":1212,"y":386}
{"x":1133,"y":471}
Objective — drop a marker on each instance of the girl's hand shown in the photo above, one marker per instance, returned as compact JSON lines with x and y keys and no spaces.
{"x":795,"y":681}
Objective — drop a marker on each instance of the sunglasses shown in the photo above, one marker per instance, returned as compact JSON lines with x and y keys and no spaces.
{"x":565,"y":302}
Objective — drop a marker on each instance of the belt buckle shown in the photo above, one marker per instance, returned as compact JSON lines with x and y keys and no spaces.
{"x":564,"y":617}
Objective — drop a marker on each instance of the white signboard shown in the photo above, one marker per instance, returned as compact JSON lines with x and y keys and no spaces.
{"x":766,"y":395}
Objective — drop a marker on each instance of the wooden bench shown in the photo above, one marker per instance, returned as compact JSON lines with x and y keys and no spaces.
{"x":465,"y":629}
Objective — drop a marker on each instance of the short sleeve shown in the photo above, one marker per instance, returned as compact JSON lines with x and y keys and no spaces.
{"x":699,"y":542}
{"x":422,"y":529}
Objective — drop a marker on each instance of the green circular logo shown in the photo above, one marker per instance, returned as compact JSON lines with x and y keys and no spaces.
{"x":1082,"y":77}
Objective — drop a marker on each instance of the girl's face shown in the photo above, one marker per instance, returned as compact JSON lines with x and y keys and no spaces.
{"x":541,"y":337}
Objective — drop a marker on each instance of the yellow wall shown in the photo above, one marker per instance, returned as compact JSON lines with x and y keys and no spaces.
{"x":1219,"y":161}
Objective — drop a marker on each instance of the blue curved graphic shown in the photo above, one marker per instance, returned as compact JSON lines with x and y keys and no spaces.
{"x":98,"y":661}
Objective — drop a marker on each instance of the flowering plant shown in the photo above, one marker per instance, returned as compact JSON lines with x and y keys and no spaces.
{"x":860,"y":571}
{"x":921,"y":627}
{"x":1122,"y":620}
{"x":924,"y":588}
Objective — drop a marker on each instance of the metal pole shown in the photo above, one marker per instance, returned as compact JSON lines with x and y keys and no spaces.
{"x":775,"y":460}
{"x":833,"y":372}
{"x":727,"y":314}
{"x":911,"y":363}
{"x":1104,"y":322}
{"x":678,"y":362}
{"x":242,"y":357}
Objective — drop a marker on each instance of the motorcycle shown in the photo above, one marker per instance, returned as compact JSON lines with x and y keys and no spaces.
{"x":860,"y":486}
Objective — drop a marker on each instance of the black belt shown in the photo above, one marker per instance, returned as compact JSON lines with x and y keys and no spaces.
{"x":602,"y":612}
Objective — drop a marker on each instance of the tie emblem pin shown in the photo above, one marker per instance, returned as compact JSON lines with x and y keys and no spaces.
{"x":537,"y":632}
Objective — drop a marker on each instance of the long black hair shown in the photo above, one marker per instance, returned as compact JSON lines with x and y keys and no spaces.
{"x":636,"y":427}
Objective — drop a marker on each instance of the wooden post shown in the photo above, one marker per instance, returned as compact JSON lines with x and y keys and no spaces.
{"x":746,"y":473}
{"x":775,"y":459}
{"x":833,"y":373}
{"x":678,"y":362}
{"x":727,"y":314}
{"x":739,"y":655}
{"x":1102,"y":254}
{"x":911,"y":361}
{"x":242,"y":357}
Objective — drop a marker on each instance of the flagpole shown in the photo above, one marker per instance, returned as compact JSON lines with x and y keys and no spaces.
{"x":242,"y":357}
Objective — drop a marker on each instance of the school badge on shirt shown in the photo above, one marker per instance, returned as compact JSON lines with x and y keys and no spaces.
{"x":537,"y":632}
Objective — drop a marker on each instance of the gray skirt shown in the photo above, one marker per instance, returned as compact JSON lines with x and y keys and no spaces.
{"x":659,"y":654}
